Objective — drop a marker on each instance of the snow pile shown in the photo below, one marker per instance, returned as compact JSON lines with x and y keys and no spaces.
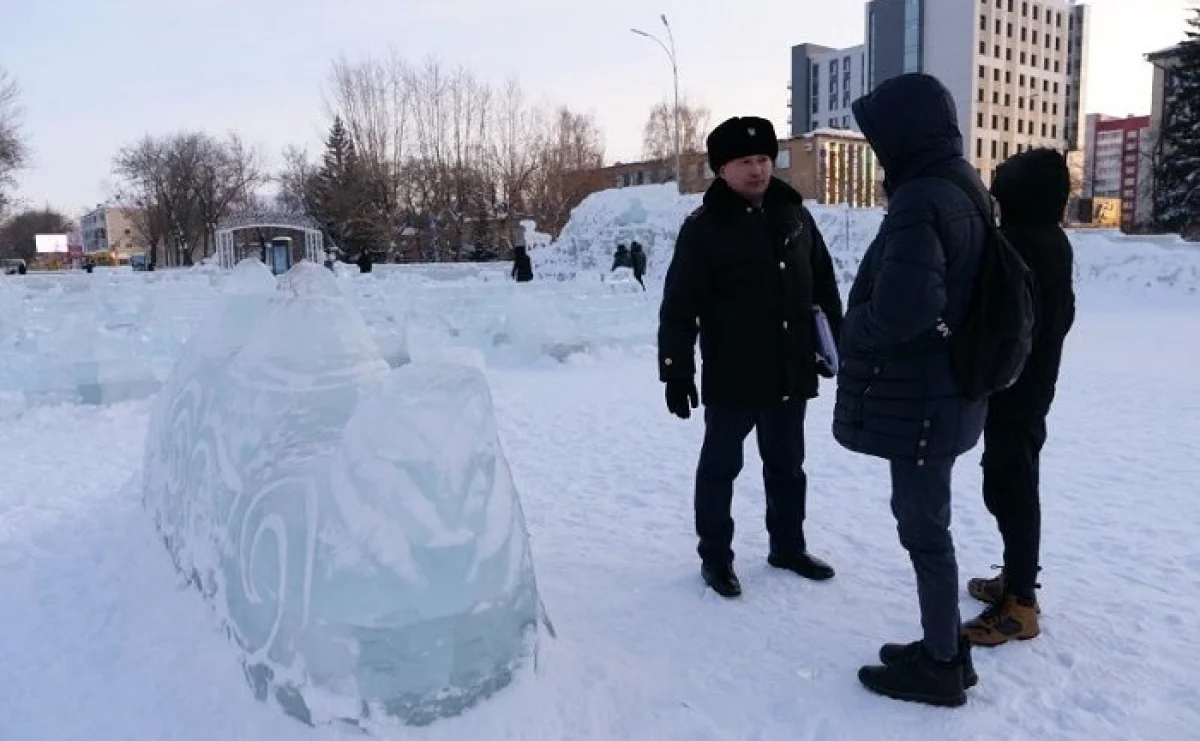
{"x":652,"y":214}
{"x":355,"y":528}
{"x":1137,"y":266}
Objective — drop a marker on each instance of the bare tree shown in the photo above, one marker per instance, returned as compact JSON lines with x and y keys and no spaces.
{"x":573,"y":148}
{"x":658,"y":135}
{"x":182,"y":185}
{"x":373,"y":100}
{"x":225,"y":173}
{"x":17,"y":235}
{"x":13,"y":151}
{"x":513,"y":152}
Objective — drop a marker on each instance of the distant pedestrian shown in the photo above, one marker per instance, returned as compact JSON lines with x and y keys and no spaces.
{"x":522,"y":269}
{"x":748,"y":268}
{"x":637,"y":260}
{"x":622,"y":258}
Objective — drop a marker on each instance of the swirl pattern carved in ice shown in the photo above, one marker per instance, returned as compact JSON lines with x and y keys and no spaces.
{"x":355,"y":528}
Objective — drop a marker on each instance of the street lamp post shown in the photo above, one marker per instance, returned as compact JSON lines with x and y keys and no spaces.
{"x":670,"y":50}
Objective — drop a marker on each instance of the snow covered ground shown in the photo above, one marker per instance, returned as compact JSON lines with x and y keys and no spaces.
{"x":102,"y":641}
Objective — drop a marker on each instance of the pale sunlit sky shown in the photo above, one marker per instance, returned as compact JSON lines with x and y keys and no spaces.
{"x":98,"y":74}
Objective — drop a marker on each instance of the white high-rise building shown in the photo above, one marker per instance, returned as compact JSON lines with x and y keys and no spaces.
{"x":1016,"y":68}
{"x":824,"y":83}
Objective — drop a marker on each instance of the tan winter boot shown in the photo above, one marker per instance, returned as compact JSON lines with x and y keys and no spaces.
{"x":1010,"y":618}
{"x":990,"y":590}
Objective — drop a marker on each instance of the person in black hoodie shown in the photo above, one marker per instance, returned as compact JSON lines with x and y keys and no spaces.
{"x":748,"y":267}
{"x":1032,"y":189}
{"x":522,"y":269}
{"x":637,"y":260}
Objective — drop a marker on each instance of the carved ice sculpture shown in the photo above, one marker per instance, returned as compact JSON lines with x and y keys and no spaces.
{"x":355,"y":528}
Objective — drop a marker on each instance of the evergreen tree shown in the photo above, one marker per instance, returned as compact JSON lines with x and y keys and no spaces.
{"x":339,"y":197}
{"x":1177,"y":175}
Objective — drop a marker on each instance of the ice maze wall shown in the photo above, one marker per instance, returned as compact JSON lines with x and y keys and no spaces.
{"x":355,"y":528}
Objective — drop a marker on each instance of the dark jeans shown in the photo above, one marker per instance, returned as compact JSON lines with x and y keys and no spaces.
{"x":1011,"y":453}
{"x":780,"y":430}
{"x":921,"y":505}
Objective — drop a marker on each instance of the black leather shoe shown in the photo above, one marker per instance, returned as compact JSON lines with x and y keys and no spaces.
{"x":721,"y":579}
{"x":808,"y":566}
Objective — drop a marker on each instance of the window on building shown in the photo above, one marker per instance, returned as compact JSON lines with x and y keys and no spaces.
{"x":1024,"y":58}
{"x":1008,"y":55}
{"x":1010,"y":6}
{"x":1035,"y":12}
{"x":999,"y":27}
{"x":1033,"y":37}
{"x":979,"y":94}
{"x":995,"y":122}
{"x":983,"y":47}
{"x":979,"y":120}
{"x":1024,"y":34}
{"x":784,"y":160}
{"x":1006,"y":119}
{"x":1009,"y":32}
{"x":982,"y":72}
{"x":983,"y":23}
{"x":1033,"y":60}
{"x":979,"y":147}
{"x":1056,"y":66}
{"x":1054,"y":130}
{"x":1020,"y":126}
{"x":1058,"y":20}
{"x":994,"y":149}
{"x":1044,"y":131}
{"x":1007,"y":77}
{"x":1025,"y":10}
{"x":996,"y":75}
{"x":995,"y":96}
{"x":1004,"y":150}
{"x":996,"y":51}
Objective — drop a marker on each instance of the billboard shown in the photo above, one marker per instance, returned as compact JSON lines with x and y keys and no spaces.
{"x":47,"y":243}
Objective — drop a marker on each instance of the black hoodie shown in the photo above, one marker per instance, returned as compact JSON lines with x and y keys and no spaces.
{"x":1032,"y":189}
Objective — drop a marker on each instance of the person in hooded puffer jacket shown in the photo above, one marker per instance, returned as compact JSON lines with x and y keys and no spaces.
{"x":1032,"y":189}
{"x":898,"y":397}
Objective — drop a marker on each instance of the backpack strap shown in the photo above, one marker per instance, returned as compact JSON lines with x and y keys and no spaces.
{"x":983,"y":202}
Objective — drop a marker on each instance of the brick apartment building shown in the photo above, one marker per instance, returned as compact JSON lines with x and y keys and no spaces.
{"x":1118,"y":165}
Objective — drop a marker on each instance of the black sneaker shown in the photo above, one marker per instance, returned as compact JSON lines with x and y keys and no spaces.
{"x":915,"y":676}
{"x":722,"y":579}
{"x":895,"y":653}
{"x":804,"y":564}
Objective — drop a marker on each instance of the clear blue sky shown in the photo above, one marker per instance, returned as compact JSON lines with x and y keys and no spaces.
{"x":97,"y":74}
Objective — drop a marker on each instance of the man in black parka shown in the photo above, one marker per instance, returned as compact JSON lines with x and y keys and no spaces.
{"x":1032,"y":189}
{"x":898,"y":397}
{"x":748,"y":268}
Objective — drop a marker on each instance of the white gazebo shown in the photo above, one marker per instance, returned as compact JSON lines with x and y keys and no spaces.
{"x":227,"y":253}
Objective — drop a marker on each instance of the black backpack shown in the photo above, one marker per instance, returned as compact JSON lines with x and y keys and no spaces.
{"x":989,"y":349}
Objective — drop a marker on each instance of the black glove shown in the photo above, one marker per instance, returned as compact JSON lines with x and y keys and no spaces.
{"x":682,"y":398}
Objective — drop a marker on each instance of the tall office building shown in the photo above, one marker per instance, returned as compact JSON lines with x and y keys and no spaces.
{"x":1016,"y":68}
{"x":824,"y":83}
